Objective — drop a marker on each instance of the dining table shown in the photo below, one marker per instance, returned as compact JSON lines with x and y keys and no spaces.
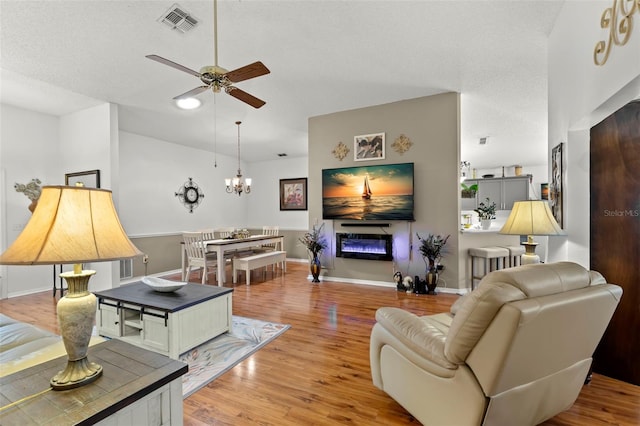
{"x":222,"y":245}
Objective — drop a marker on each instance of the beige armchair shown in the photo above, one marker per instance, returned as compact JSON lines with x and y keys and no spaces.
{"x":515,"y":351}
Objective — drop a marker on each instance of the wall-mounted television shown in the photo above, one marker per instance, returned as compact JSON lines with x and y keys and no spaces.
{"x":382,"y":192}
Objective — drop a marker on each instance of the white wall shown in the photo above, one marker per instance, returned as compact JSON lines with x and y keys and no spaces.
{"x":29,"y":148}
{"x":580,"y":95}
{"x":264,"y":201}
{"x":152,"y":171}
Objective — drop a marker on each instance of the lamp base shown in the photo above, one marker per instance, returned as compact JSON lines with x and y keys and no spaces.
{"x":529,"y":257}
{"x":77,"y":314}
{"x":77,"y":373}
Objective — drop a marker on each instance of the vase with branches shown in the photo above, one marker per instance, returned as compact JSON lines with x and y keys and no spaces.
{"x":315,"y":243}
{"x":432,"y":248}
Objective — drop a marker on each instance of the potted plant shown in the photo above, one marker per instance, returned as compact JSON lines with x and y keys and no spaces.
{"x":486,"y":213}
{"x":432,"y":248}
{"x":468,"y":191}
{"x":315,"y":243}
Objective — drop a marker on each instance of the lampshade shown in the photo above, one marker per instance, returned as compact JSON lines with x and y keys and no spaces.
{"x":531,"y":217}
{"x":71,"y":225}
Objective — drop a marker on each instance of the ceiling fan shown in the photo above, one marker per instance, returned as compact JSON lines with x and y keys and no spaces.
{"x":217,"y":78}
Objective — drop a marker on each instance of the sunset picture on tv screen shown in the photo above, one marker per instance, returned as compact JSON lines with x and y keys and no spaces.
{"x":383,"y":192}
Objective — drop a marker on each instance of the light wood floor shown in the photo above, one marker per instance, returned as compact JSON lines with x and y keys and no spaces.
{"x":317,"y":372}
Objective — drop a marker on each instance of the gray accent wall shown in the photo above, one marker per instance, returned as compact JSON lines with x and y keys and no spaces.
{"x":432,"y":123}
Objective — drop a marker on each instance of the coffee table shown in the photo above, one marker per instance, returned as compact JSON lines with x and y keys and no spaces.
{"x":167,"y":323}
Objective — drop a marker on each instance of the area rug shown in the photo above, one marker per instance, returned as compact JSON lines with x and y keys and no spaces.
{"x":213,"y":358}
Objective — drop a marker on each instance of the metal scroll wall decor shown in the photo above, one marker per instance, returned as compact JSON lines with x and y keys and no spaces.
{"x":618,"y":19}
{"x":190,"y":195}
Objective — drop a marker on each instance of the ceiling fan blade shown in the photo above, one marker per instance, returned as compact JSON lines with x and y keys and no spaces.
{"x":192,"y":92}
{"x":245,"y":97}
{"x":253,"y":70}
{"x":173,"y":65}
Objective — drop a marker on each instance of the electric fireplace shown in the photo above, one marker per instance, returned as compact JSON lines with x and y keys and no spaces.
{"x":364,"y":246}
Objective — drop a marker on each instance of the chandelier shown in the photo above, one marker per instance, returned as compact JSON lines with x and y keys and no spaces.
{"x":237,"y":185}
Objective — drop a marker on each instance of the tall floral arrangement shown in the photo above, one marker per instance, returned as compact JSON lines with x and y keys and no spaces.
{"x":432,"y":247}
{"x":313,"y":240}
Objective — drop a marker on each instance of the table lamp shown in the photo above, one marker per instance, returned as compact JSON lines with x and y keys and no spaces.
{"x":531,"y":218}
{"x":73,"y":225}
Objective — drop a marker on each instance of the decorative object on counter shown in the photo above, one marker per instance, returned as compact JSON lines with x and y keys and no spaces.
{"x":555,"y":189}
{"x":533,"y":217}
{"x":81,"y":226}
{"x":486,"y":212}
{"x":32,"y":190}
{"x":489,"y":176}
{"x":432,"y":248}
{"x":190,"y":195}
{"x":468,"y":191}
{"x":517,"y":170}
{"x":239,"y":186}
{"x":340,"y":151}
{"x":293,"y":194}
{"x":315,"y":243}
{"x":466,"y":221}
{"x":368,"y":147}
{"x":402,"y":144}
{"x":544,"y":191}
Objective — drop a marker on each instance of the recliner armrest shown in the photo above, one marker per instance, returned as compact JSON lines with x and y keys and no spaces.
{"x":417,"y":333}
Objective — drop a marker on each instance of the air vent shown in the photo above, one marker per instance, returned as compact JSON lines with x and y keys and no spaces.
{"x":483,"y":141}
{"x":178,"y":19}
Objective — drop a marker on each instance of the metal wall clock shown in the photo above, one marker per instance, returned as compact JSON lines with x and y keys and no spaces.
{"x":190,"y":195}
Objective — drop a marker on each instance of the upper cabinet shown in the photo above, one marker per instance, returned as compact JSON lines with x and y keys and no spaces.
{"x":503,"y":191}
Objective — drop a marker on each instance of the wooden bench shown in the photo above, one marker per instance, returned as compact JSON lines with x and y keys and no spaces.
{"x":255,"y":261}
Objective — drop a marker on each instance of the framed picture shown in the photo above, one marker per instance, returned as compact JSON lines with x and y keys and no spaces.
{"x":90,"y":178}
{"x":555,"y":189}
{"x":293,"y":194}
{"x":368,"y":147}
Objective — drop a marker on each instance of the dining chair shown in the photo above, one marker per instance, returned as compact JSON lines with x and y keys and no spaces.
{"x":209,"y":234}
{"x":263,"y":248}
{"x":197,"y":255}
{"x":224,"y":232}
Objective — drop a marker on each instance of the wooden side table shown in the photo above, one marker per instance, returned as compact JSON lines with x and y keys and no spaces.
{"x":135,"y":384}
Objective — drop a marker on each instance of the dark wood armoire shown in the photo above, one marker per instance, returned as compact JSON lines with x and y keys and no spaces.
{"x":615,"y":236}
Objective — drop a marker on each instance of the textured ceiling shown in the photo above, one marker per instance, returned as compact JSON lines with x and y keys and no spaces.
{"x":324,"y":57}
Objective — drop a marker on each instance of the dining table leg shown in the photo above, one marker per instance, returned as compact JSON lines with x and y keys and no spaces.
{"x":221,"y":266}
{"x":184,"y":263}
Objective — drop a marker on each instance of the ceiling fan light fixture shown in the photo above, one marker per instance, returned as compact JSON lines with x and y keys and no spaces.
{"x":188,"y":103}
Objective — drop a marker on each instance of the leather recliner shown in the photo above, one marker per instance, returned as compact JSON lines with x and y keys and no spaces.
{"x":515,"y":351}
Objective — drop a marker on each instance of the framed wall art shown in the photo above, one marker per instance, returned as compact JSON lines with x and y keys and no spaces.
{"x":555,"y":189}
{"x":293,"y":194}
{"x":368,"y":147}
{"x":90,"y":178}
